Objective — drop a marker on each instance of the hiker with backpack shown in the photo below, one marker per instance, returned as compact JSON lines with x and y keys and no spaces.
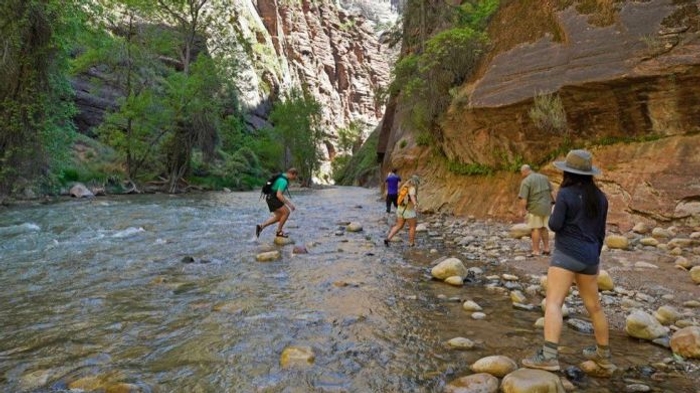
{"x":280,"y":206}
{"x":407,"y":211}
{"x":392,"y":190}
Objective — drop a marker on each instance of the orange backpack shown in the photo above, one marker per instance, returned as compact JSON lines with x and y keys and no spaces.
{"x":403,"y":199}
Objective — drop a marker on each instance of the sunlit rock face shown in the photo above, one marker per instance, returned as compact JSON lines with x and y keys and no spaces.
{"x":332,"y":50}
{"x":629,"y":81}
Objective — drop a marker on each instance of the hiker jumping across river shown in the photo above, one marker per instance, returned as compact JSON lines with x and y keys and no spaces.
{"x":280,"y":206}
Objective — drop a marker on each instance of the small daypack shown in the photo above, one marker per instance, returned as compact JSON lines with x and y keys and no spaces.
{"x":403,"y":199}
{"x":267,"y":187}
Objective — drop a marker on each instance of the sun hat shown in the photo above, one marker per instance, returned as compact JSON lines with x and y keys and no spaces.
{"x":579,"y":162}
{"x":415,"y":180}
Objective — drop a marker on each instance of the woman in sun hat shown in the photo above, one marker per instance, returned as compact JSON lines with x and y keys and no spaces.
{"x":579,"y":220}
{"x":407,"y":212}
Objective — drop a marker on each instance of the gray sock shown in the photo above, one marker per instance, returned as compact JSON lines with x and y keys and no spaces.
{"x":550,"y":350}
{"x":603,"y":351}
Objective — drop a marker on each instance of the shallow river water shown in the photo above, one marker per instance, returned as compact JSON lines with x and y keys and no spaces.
{"x":102,"y":290}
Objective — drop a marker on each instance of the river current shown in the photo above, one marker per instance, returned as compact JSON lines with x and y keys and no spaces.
{"x":164,"y":293}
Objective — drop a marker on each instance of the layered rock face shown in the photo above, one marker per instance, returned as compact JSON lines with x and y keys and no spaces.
{"x":279,"y":45}
{"x":333,"y":54}
{"x":630,"y":89}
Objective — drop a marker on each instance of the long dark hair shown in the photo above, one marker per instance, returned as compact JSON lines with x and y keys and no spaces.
{"x":591,"y":192}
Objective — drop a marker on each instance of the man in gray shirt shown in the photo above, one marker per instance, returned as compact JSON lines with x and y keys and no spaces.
{"x":536,"y":199}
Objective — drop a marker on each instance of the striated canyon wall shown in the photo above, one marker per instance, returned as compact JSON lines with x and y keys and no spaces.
{"x":277,"y":45}
{"x":629,"y":83}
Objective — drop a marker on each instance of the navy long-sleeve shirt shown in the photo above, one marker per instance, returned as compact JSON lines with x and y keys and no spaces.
{"x":577,"y":235}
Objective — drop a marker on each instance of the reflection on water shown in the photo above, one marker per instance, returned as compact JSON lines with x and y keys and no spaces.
{"x":99,"y":291}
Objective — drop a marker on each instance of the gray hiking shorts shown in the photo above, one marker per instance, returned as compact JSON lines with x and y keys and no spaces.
{"x":563,"y":261}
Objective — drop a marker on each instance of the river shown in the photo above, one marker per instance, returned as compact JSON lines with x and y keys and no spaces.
{"x":164,"y":293}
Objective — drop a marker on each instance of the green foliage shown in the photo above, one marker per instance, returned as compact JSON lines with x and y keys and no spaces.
{"x":476,"y":14}
{"x":424,"y":139}
{"x":507,"y":162}
{"x":297,"y":125}
{"x":403,"y":143}
{"x":425,"y":80}
{"x":35,"y":102}
{"x":350,"y":138}
{"x":472,"y":169}
{"x":548,"y":113}
{"x":363,"y":165}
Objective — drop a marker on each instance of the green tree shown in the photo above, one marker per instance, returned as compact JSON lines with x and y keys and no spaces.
{"x":297,"y":123}
{"x":35,"y":106}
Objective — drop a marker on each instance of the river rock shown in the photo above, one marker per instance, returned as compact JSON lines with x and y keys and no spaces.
{"x":297,"y":356}
{"x":659,"y":232}
{"x":517,"y":297}
{"x":680,"y":242}
{"x":354,"y":227}
{"x":640,"y":228}
{"x":686,"y":342}
{"x":448,"y":268}
{"x":475,"y":383}
{"x":617,"y":242}
{"x":268,"y":256}
{"x":422,"y":227}
{"x":455,"y":280}
{"x":80,"y":191}
{"x":637,"y":387}
{"x":649,"y":241}
{"x":605,"y":282}
{"x":527,"y":380}
{"x":461,"y":343}
{"x":300,"y":250}
{"x":471,"y":305}
{"x":497,"y":365}
{"x":591,"y":368}
{"x":667,"y":315}
{"x":283,"y":241}
{"x":683,"y":262}
{"x":518,"y":231}
{"x":580,"y":325}
{"x":676,"y":251}
{"x":639,"y":324}
{"x":695,"y":274}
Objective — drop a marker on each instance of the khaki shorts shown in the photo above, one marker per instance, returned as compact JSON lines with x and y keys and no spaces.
{"x":536,"y":222}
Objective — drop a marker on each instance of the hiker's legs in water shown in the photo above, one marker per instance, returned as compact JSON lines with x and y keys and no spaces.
{"x":399,"y":224}
{"x":412,"y":223}
{"x":275,"y":217}
{"x":284,"y":215}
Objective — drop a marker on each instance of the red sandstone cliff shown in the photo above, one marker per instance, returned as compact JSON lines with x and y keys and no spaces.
{"x":629,"y":80}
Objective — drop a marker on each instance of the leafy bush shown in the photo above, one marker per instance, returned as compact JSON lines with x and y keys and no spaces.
{"x":472,"y":169}
{"x":424,"y":139}
{"x":548,"y":113}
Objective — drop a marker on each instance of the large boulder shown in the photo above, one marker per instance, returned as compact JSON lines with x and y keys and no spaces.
{"x":527,"y":380}
{"x":686,"y":342}
{"x":448,"y":268}
{"x":639,"y":324}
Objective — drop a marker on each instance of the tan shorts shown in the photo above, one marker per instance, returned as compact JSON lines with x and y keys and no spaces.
{"x":536,"y":222}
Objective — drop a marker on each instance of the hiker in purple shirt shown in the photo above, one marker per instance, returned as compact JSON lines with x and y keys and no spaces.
{"x":392,"y":189}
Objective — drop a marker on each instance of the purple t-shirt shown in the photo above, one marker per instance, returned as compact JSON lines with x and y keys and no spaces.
{"x":392,"y":184}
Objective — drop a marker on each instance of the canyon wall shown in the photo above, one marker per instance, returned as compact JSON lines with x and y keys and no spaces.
{"x":630,"y":89}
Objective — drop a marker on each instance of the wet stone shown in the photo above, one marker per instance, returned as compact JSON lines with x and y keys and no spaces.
{"x":580,"y":325}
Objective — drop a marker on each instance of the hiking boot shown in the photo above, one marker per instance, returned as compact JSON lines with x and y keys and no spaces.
{"x":538,"y":361}
{"x":591,"y":353}
{"x":386,"y":242}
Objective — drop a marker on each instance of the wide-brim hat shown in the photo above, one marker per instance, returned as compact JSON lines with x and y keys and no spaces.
{"x":579,"y":162}
{"x":415,"y":179}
